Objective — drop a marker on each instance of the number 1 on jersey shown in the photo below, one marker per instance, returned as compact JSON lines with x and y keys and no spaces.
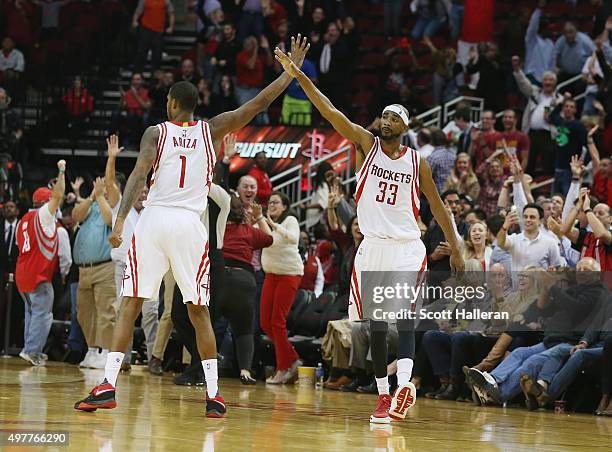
{"x":183,"y":165}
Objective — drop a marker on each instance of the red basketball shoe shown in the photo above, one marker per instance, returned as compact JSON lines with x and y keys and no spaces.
{"x":381,"y":413}
{"x":102,"y":396}
{"x":215,"y":407}
{"x":404,"y":397}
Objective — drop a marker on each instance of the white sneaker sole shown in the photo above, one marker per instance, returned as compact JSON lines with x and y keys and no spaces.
{"x":404,"y":398}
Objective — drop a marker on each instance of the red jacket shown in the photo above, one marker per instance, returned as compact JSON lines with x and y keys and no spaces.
{"x":38,"y":260}
{"x":78,"y":105}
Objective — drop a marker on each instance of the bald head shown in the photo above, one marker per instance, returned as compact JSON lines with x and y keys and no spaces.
{"x":588,"y":264}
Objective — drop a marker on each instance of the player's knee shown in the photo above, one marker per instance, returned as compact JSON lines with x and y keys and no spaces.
{"x":196,"y":312}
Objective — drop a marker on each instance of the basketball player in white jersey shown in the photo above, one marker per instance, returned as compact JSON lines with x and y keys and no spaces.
{"x":389,"y":180}
{"x":169,"y":233}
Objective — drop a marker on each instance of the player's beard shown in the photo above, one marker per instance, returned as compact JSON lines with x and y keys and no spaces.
{"x":390,"y":137}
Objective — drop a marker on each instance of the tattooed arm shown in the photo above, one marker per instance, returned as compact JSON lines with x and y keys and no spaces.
{"x":136,"y":181}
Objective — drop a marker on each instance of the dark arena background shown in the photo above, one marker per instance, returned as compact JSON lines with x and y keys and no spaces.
{"x":509,"y":104}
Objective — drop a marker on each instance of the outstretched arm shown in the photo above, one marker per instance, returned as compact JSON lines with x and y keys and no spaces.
{"x":113,"y":150}
{"x":362,"y":138}
{"x":136,"y":181}
{"x":440,"y":214}
{"x":230,"y":121}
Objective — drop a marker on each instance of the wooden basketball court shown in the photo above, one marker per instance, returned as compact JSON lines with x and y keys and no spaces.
{"x":155,"y":415}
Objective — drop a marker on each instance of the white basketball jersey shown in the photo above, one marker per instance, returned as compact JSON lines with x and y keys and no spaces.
{"x":183,"y":169}
{"x":388,"y":195}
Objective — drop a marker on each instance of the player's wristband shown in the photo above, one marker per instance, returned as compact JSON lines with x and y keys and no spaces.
{"x":588,"y":211}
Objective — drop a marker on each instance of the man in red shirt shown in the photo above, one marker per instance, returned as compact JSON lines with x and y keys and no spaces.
{"x":37,"y":263}
{"x":136,"y":103}
{"x":260,"y":174}
{"x":514,"y":141}
{"x":598,"y":243}
{"x":250,"y":73}
{"x":484,"y":140}
{"x":152,"y":15}
{"x":602,"y":182}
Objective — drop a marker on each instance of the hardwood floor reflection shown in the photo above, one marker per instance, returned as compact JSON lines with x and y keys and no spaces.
{"x":155,"y":415}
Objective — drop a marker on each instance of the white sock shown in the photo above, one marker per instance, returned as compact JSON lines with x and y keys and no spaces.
{"x":383,"y":385}
{"x":404,"y":371}
{"x":113,"y":366}
{"x":210,"y":375}
{"x":543,"y":383}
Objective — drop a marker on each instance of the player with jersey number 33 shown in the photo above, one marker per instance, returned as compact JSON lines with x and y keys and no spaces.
{"x":169,"y":233}
{"x":389,"y":180}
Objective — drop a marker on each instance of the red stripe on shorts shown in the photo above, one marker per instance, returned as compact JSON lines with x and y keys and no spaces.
{"x":135,"y":281}
{"x":357,"y":295}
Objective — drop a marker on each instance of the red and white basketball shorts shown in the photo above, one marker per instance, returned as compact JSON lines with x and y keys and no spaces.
{"x":385,"y":255}
{"x":168,"y":237}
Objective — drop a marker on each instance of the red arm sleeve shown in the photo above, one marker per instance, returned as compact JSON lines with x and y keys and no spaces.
{"x":260,"y":239}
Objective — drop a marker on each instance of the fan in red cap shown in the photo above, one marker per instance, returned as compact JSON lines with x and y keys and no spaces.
{"x":41,"y":196}
{"x":37,"y":240}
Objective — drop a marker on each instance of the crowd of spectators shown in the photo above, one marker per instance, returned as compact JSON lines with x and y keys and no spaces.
{"x":531,"y":204}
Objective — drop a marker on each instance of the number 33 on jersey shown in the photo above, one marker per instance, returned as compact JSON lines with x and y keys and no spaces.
{"x":184,"y":166}
{"x":388,"y":195}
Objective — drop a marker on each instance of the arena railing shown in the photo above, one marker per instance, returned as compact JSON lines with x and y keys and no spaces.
{"x":290,"y":181}
{"x":476,"y":107}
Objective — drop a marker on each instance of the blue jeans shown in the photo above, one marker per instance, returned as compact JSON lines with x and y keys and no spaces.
{"x":506,"y":374}
{"x":244,"y":94}
{"x":456,"y":20}
{"x":556,"y":357}
{"x":38,"y":317}
{"x":426,"y":27}
{"x":567,"y":374}
{"x":76,"y":339}
{"x":563,"y":180}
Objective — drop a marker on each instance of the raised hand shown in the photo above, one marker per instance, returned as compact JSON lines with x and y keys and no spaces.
{"x":61,"y":166}
{"x":516,"y":63}
{"x":577,"y":166}
{"x":289,"y":67}
{"x":256,"y":211}
{"x":554,"y":226}
{"x":229,"y":145}
{"x":584,"y":194}
{"x":299,"y":49}
{"x":112,"y":146}
{"x":592,"y":131}
{"x":98,"y":187}
{"x":76,"y":185}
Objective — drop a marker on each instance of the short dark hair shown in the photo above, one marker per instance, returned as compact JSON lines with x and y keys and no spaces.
{"x":447,"y":193}
{"x":186,"y":94}
{"x":463,"y":113}
{"x":438,"y":138}
{"x":533,"y":205}
{"x":495,"y":223}
{"x":480,"y":214}
{"x":424,"y":135}
{"x":120,"y":178}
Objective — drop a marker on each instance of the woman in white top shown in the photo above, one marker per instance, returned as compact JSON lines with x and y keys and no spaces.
{"x":283,"y":266}
{"x":476,"y":246}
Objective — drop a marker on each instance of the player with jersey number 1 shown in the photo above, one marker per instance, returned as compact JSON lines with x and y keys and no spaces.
{"x":389,"y":180}
{"x":169,"y":233}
